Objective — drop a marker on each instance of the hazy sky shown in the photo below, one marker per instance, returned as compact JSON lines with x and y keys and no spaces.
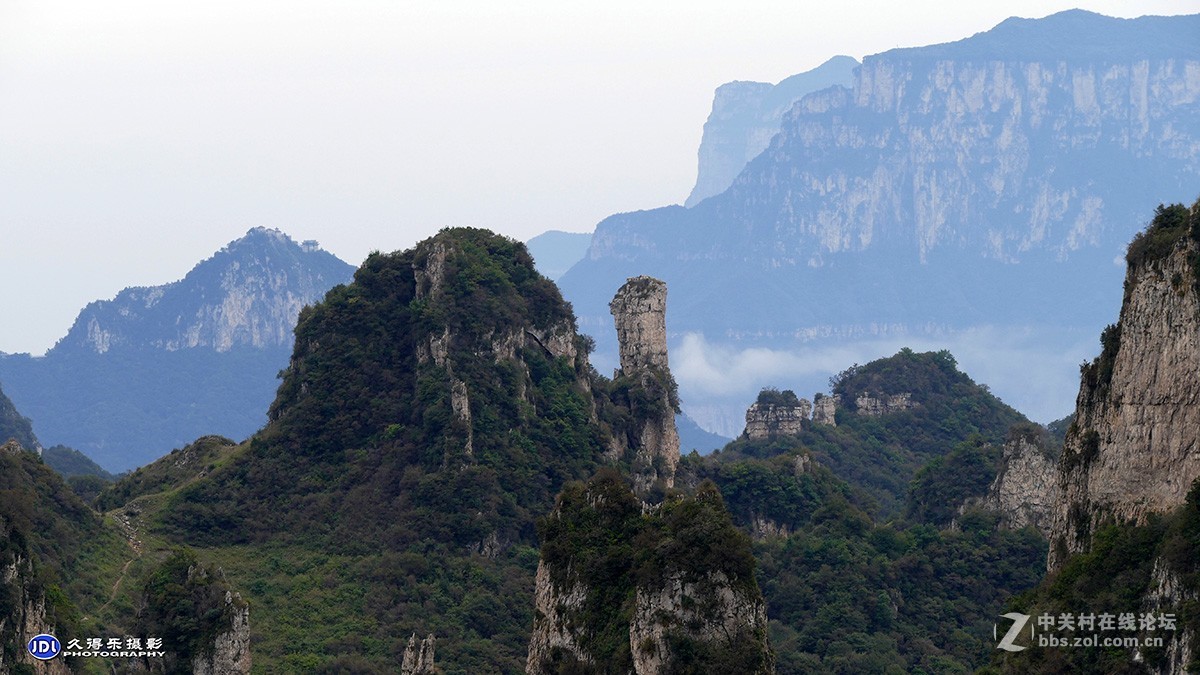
{"x":137,"y":138}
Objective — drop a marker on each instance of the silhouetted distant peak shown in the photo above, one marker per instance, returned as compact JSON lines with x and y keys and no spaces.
{"x":1074,"y":34}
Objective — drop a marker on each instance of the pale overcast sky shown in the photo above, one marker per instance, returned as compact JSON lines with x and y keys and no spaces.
{"x":137,"y":138}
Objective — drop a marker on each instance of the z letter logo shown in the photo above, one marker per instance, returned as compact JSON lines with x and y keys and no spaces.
{"x":1019,"y":621}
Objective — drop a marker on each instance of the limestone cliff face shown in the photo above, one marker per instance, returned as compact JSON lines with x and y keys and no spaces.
{"x":618,"y":591}
{"x":825,"y":410}
{"x":746,"y":115}
{"x":709,"y":611}
{"x":639,"y":310}
{"x":980,"y":171}
{"x":418,"y":656}
{"x":26,"y":613}
{"x":247,"y":295}
{"x":874,"y":406}
{"x":555,"y":632}
{"x":230,"y":653}
{"x":1026,"y":490}
{"x":764,"y":420}
{"x":1167,"y":594}
{"x":1134,"y":448}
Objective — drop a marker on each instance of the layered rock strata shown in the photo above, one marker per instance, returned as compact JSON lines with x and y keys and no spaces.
{"x":639,"y":311}
{"x":1134,"y":448}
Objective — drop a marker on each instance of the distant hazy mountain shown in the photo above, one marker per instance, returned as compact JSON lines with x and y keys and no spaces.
{"x":746,"y":116}
{"x":986,"y":182}
{"x":156,"y":367}
{"x":554,"y":252}
{"x":246,"y":295}
{"x":693,"y":437}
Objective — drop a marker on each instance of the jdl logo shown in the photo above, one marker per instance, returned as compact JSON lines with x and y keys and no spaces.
{"x":44,"y":647}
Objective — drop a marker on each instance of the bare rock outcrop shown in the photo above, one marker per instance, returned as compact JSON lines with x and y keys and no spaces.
{"x":764,"y":420}
{"x":26,"y":616}
{"x":1134,"y":448}
{"x":230,"y":653}
{"x":554,"y":631}
{"x":639,"y":311}
{"x":418,"y":656}
{"x":708,"y":611}
{"x":1166,"y":595}
{"x":825,"y":410}
{"x":613,"y":566}
{"x":1026,"y":490}
{"x":875,"y":406}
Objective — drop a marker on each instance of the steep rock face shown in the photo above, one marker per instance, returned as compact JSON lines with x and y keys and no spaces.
{"x":624,"y":588}
{"x":247,"y":295}
{"x":874,"y":406}
{"x":979,"y":171}
{"x":25,"y":611}
{"x":710,"y":610}
{"x":764,"y":420}
{"x":825,"y":410}
{"x":1026,"y":489}
{"x":746,"y":115}
{"x":1167,"y":594}
{"x":1133,"y":447}
{"x":639,"y":310}
{"x":418,"y":657}
{"x":230,"y":652}
{"x":554,"y":631}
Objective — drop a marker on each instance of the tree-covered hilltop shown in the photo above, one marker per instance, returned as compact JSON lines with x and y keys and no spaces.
{"x":849,"y":593}
{"x":866,"y":557}
{"x":921,"y":407}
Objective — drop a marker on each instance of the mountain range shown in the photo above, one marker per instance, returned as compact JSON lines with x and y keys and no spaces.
{"x":989,"y":183}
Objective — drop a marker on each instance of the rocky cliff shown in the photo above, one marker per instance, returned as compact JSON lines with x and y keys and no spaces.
{"x":651,"y":444}
{"x":623,"y":588}
{"x":825,"y":410}
{"x":776,"y":413}
{"x":874,"y":406}
{"x":1025,"y":491}
{"x":230,"y":651}
{"x":24,"y":610}
{"x":746,"y":116}
{"x":418,"y":657}
{"x":1132,"y":449}
{"x":980,"y":172}
{"x":203,"y":621}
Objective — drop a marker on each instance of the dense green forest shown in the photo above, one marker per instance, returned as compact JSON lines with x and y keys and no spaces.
{"x":855,"y":587}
